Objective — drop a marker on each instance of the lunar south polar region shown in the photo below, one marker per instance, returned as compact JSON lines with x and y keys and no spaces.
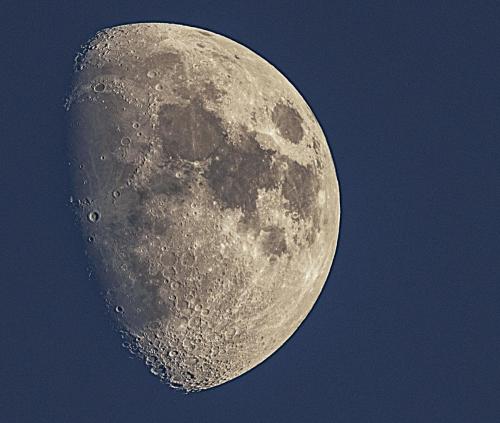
{"x":207,"y":196}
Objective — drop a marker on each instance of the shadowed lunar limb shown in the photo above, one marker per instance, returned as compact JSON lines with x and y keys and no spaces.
{"x":207,"y":194}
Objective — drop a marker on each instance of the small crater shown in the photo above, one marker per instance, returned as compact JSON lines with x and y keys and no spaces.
{"x":119,"y":309}
{"x":98,"y":88}
{"x":205,"y":33}
{"x":93,"y":216}
{"x":135,"y":125}
{"x":125,"y":141}
{"x":194,"y":322}
{"x":151,"y":74}
{"x":188,"y":259}
{"x":116,"y":194}
{"x":169,"y":259}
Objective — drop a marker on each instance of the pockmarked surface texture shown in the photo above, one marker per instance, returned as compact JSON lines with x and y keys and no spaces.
{"x":207,"y":196}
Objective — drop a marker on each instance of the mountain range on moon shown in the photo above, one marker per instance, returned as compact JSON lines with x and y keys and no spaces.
{"x":207,"y":195}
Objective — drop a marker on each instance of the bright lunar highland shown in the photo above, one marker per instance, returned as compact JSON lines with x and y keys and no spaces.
{"x":207,"y":196}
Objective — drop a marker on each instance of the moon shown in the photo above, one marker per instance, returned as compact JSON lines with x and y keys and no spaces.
{"x":207,"y":196}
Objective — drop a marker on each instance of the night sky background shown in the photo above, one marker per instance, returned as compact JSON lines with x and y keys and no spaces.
{"x":407,"y":328}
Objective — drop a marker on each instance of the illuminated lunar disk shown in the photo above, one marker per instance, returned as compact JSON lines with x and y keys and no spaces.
{"x":208,"y":196}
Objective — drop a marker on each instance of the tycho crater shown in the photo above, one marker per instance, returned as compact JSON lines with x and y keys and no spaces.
{"x":207,"y":194}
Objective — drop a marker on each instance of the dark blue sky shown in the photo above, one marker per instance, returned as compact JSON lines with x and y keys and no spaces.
{"x":407,"y":327}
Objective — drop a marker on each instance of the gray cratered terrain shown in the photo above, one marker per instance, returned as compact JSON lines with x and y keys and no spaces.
{"x":207,"y":194}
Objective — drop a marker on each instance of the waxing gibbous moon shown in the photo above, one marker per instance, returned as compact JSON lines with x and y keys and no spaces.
{"x":207,"y":195}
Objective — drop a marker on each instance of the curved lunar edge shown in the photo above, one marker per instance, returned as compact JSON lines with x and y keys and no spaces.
{"x":207,"y":194}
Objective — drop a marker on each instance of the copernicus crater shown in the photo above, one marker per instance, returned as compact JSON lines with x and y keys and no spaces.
{"x":207,"y":194}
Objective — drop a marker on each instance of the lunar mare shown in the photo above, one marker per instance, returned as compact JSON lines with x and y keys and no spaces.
{"x":207,"y":193}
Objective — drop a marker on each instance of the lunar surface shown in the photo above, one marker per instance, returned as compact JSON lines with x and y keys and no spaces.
{"x":207,"y":195}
